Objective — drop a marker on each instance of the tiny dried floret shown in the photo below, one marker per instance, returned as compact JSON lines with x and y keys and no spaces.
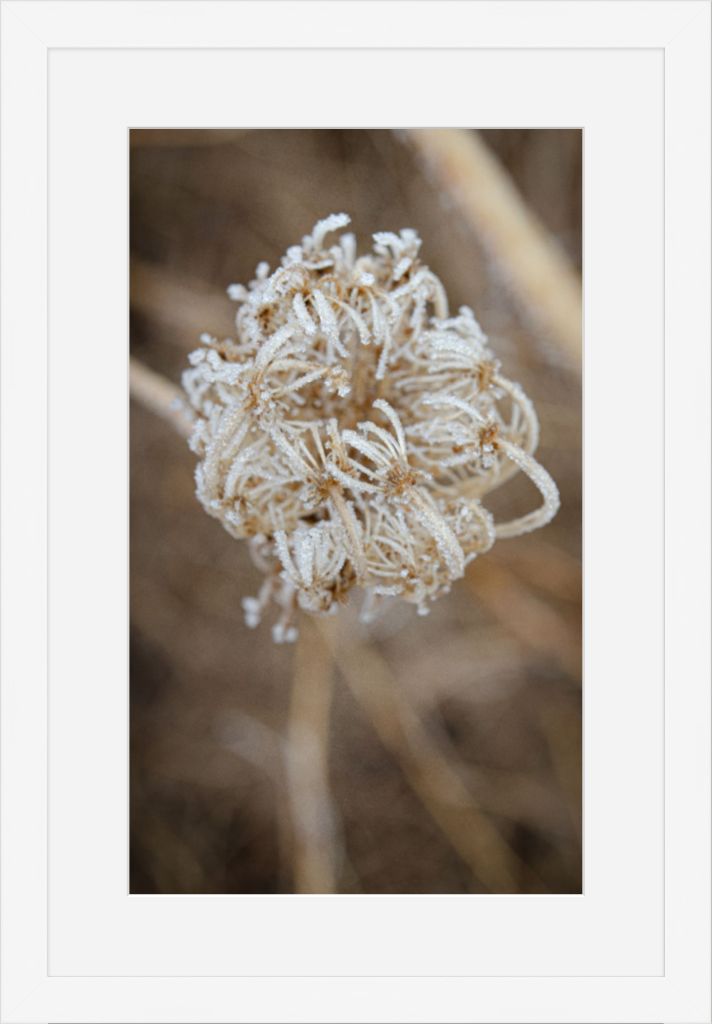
{"x":351,"y":428}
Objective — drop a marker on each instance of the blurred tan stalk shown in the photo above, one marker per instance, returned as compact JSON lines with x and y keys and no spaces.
{"x":427,"y":769}
{"x":159,"y":395}
{"x":307,"y":763}
{"x":524,"y":615}
{"x":537,"y":269}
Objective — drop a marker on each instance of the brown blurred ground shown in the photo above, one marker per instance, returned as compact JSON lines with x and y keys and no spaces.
{"x":493,"y":672}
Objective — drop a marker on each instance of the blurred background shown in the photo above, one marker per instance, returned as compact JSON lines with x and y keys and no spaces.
{"x":414,"y":755}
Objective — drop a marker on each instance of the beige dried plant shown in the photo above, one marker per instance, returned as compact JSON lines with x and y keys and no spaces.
{"x":351,"y":428}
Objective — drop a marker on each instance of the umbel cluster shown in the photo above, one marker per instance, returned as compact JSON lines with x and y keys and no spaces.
{"x":352,"y":427}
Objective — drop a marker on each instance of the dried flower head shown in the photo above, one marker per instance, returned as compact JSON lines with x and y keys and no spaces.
{"x":351,"y":428}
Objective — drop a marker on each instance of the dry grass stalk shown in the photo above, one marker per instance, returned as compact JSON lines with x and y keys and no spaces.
{"x":525,"y":615}
{"x":306,"y":757}
{"x":539,"y":272}
{"x":428,"y":770}
{"x":159,"y":395}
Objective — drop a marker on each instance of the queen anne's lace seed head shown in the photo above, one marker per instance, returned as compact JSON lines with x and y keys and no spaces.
{"x":352,"y":427}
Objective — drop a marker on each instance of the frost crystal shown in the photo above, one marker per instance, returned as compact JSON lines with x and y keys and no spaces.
{"x":352,"y":427}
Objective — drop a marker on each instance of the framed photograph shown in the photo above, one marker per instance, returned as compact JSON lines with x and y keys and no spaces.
{"x":356,"y":465}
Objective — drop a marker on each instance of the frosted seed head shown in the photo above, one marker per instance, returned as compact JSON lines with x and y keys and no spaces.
{"x":328,"y":342}
{"x":323,"y":227}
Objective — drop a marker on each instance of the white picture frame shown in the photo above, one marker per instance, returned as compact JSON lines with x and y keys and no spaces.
{"x":635,"y":946}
